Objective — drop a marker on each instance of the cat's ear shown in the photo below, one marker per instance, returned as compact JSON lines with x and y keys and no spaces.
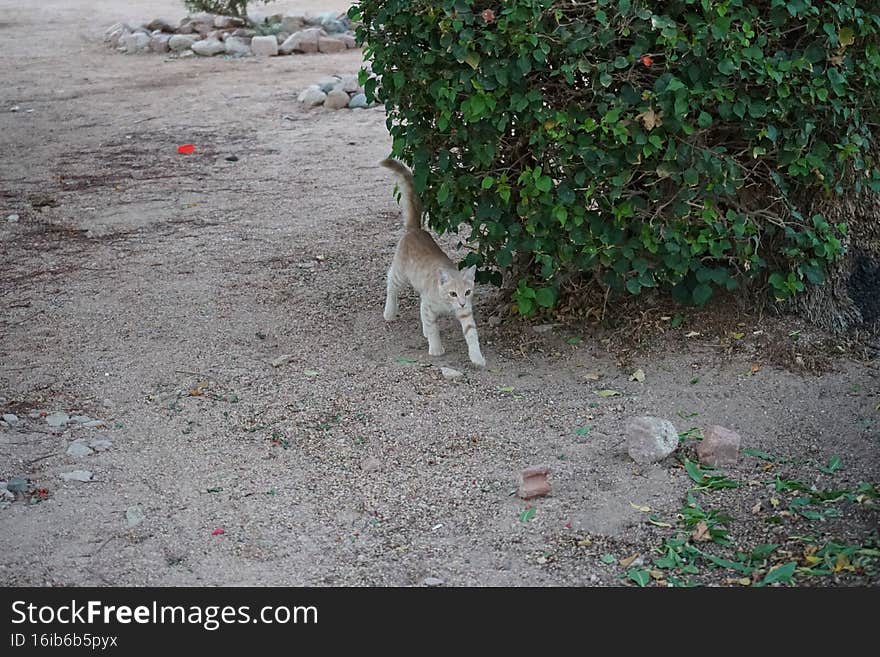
{"x":442,"y":277}
{"x":470,"y":273}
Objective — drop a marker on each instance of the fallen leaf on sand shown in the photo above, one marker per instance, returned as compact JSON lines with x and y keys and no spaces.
{"x":643,"y":509}
{"x":607,"y":393}
{"x":626,"y":563}
{"x":701,"y":532}
{"x":638,"y":375}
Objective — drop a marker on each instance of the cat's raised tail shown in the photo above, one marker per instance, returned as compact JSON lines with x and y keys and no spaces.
{"x":412,"y":209}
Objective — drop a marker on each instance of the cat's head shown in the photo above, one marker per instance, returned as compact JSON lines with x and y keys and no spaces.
{"x":457,"y":288}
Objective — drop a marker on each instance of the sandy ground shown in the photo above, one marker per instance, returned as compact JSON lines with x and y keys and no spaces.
{"x":153,"y":291}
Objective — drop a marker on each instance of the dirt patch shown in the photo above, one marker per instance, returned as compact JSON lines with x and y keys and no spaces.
{"x":156,"y":293}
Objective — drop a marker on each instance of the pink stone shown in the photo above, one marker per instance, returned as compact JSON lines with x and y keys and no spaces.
{"x":534,"y":482}
{"x":719,"y":446}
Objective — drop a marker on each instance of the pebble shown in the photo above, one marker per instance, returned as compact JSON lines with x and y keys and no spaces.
{"x":264,"y":46}
{"x":80,"y":419}
{"x":77,"y":475}
{"x":78,"y":449}
{"x":159,"y":42}
{"x":433,"y":581}
{"x":134,"y":516}
{"x":450,"y":374}
{"x":12,"y":218}
{"x":650,"y":439}
{"x":57,"y":419}
{"x":101,"y":444}
{"x":358,"y":101}
{"x":281,"y":360}
{"x":10,"y":418}
{"x":91,"y":424}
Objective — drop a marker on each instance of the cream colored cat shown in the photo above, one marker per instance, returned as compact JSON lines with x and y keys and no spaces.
{"x":444,"y":289}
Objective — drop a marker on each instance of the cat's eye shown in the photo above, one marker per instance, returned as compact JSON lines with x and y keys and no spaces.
{"x":467,"y":293}
{"x":454,"y":294}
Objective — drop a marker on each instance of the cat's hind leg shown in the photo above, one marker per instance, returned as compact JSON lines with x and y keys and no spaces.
{"x":431,"y":331}
{"x":392,"y":288}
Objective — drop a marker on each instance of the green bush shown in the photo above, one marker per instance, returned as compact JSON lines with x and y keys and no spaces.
{"x":220,"y":7}
{"x":682,"y":144}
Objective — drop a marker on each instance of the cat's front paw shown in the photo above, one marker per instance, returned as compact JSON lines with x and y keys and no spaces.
{"x":436,"y":351}
{"x":478,"y":360}
{"x":389,"y":316}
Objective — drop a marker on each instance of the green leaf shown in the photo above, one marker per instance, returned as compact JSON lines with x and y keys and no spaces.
{"x":834,"y":464}
{"x":608,"y":558}
{"x":779,"y":574}
{"x":640,"y":577}
{"x":607,"y":393}
{"x":545,"y":296}
{"x":527,"y":514}
{"x":544,"y":183}
{"x":702,"y":293}
{"x":488,"y":181}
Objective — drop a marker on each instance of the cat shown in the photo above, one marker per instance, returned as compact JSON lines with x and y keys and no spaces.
{"x":419,"y":261}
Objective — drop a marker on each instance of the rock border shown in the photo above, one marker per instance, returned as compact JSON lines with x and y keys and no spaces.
{"x":208,"y":35}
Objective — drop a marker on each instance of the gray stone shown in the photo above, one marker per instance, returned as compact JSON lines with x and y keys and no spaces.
{"x":161,"y":25}
{"x":159,"y":42}
{"x":57,"y":419}
{"x":180,"y":42}
{"x":650,"y":439}
{"x":305,"y":40}
{"x":350,"y":84}
{"x":264,"y":46}
{"x":450,"y":374}
{"x":134,"y":516}
{"x":281,"y":37}
{"x":312,"y":96}
{"x":35,"y":414}
{"x":332,"y":22}
{"x":244,"y":32}
{"x":237,"y":46}
{"x":208,"y":47}
{"x":433,"y":581}
{"x":92,"y":424}
{"x":330,"y":45}
{"x":281,"y":360}
{"x":719,"y":446}
{"x":78,"y":449}
{"x":336,"y":99}
{"x":12,"y":218}
{"x":80,"y":419}
{"x":77,"y":475}
{"x":287,"y":46}
{"x":10,"y":418}
{"x":135,"y":42}
{"x":347,"y":39}
{"x":328,"y":84}
{"x":100,"y":444}
{"x":293,"y":24}
{"x":17,"y":485}
{"x":358,"y":101}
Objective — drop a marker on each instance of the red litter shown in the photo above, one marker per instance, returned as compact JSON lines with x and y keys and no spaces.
{"x":186,"y":149}
{"x":218,"y":532}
